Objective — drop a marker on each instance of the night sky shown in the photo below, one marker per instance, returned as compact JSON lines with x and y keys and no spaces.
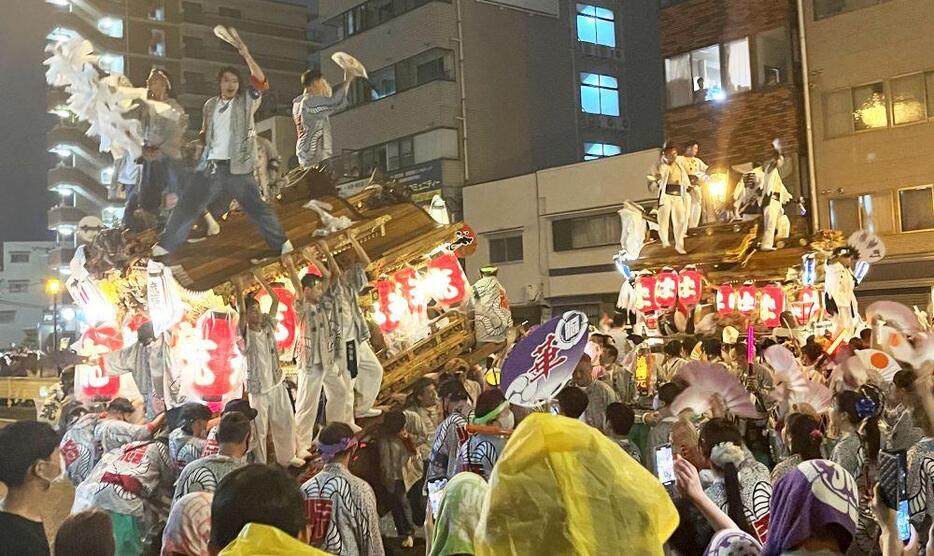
{"x":24,"y":122}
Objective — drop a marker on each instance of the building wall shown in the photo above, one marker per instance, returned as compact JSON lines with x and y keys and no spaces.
{"x":868,"y":45}
{"x":27,"y":306}
{"x":535,"y":201}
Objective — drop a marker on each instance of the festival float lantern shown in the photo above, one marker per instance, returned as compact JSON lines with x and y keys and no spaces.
{"x":666,"y":288}
{"x":808,"y":269}
{"x":645,"y":294}
{"x":746,"y":299}
{"x":771,"y":305}
{"x":221,"y":370}
{"x":444,"y":280}
{"x":726,"y":300}
{"x":641,"y":375}
{"x":389,"y":307}
{"x":286,"y":317}
{"x":807,"y":305}
{"x":91,"y":380}
{"x":690,"y":284}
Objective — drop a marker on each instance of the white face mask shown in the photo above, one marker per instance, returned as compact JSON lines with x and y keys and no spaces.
{"x":507,"y":421}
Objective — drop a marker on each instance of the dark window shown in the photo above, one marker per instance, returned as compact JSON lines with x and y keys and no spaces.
{"x":506,"y":249}
{"x":585,"y":231}
{"x":194,"y":48}
{"x":228,"y":12}
{"x":7,"y":316}
{"x":19,"y":257}
{"x":917,"y":208}
{"x":19,"y":286}
{"x":429,"y":71}
{"x":192,"y":12}
{"x":830,"y":8}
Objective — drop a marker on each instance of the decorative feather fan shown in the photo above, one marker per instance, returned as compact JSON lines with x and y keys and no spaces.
{"x":894,"y":314}
{"x":349,"y":64}
{"x":706,"y":380}
{"x":787,"y":377}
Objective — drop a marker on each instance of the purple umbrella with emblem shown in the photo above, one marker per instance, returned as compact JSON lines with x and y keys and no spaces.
{"x":541,"y":364}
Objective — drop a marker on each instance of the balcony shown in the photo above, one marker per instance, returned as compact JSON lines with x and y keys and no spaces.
{"x":79,"y":182}
{"x":64,"y":217}
{"x":75,"y":22}
{"x":61,"y":256}
{"x":56,"y":100}
{"x":75,"y":137}
{"x":247,"y":25}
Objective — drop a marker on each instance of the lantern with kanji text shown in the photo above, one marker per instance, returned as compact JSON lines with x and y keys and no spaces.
{"x":221,"y":371}
{"x":746,"y":299}
{"x":726,"y":300}
{"x":690,"y":285}
{"x":91,"y":380}
{"x":666,"y":288}
{"x":807,"y":305}
{"x":645,"y":294}
{"x":444,"y":280}
{"x":286,"y":318}
{"x":771,"y":305}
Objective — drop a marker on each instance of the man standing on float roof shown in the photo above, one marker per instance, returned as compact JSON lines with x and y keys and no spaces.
{"x":312,"y":111}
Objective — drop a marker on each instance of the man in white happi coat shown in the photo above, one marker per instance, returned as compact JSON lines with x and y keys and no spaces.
{"x":697,"y":175}
{"x":775,"y":225}
{"x":671,"y":181}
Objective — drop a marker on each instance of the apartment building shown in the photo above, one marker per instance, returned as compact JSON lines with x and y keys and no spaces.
{"x":871,"y":71}
{"x":468,"y":91}
{"x":132,"y":36}
{"x":23,"y":268}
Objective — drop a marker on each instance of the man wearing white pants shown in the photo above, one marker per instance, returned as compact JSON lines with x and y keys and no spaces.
{"x":354,"y":356}
{"x":315,"y":351}
{"x":269,"y":395}
{"x":775,"y":224}
{"x":697,"y":174}
{"x":672,"y":182}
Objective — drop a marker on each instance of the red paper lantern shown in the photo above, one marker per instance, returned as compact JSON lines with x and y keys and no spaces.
{"x":771,"y":305}
{"x":690,"y":284}
{"x":93,"y":382}
{"x":466,"y":242}
{"x":726,"y":300}
{"x":666,"y":288}
{"x":807,"y":305}
{"x":746,"y":299}
{"x":645,"y":294}
{"x":220,"y":374}
{"x":445,"y":280}
{"x":386,"y":314}
{"x":286,"y":318}
{"x":406,"y":280}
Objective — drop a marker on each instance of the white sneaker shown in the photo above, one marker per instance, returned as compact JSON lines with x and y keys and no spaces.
{"x":297,"y":462}
{"x":355,"y":427}
{"x":287,"y":248}
{"x":213,"y":227}
{"x":408,"y":542}
{"x":372,"y":412}
{"x":159,"y":251}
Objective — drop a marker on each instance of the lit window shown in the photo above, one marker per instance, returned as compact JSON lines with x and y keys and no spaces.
{"x":107,"y":175}
{"x":838,"y":113}
{"x":599,"y":94}
{"x":596,"y":25}
{"x":738,"y":76}
{"x":157,"y":43}
{"x":19,"y":257}
{"x":773,"y":57}
{"x":869,"y":108}
{"x":916,"y":206}
{"x":19,"y":286}
{"x":111,"y":63}
{"x":61,"y":34}
{"x":156,"y":10}
{"x":600,"y":150}
{"x":696,"y":76}
{"x":585,"y":231}
{"x":871,"y":212}
{"x":506,"y":249}
{"x":111,"y":26}
{"x":908,"y":104}
{"x":929,"y":86}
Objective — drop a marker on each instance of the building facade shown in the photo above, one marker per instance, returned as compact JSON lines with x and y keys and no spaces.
{"x":554,"y":251}
{"x":871,"y":70}
{"x":24,"y":266}
{"x":733,"y":84}
{"x":468,"y":91}
{"x":131,"y":37}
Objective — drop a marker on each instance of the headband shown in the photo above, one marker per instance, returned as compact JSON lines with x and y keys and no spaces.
{"x":491,"y":415}
{"x":161,"y":73}
{"x":330,"y":451}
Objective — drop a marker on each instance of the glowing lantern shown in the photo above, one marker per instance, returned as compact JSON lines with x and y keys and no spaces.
{"x":641,"y":375}
{"x":666,"y":288}
{"x":386,"y":311}
{"x":746,"y":299}
{"x":726,"y":300}
{"x":286,"y":318}
{"x":689,"y":287}
{"x":444,"y":280}
{"x":771,"y":305}
{"x":408,"y":288}
{"x":91,"y":380}
{"x":645,"y":294}
{"x":131,"y":326}
{"x":221,"y":370}
{"x":807,"y":305}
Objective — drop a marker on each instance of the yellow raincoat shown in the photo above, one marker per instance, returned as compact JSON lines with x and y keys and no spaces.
{"x":562,"y":487}
{"x":264,"y":540}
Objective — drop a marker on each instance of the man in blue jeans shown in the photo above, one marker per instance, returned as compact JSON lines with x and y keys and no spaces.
{"x":228,"y":132}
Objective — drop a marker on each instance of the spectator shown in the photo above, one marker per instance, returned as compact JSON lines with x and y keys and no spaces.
{"x":803,"y":437}
{"x":257,"y":509}
{"x":400,"y":467}
{"x":599,"y":394}
{"x":187,"y":442}
{"x":619,"y":421}
{"x":458,"y":515}
{"x":87,"y":533}
{"x":572,"y":402}
{"x":487,"y":433}
{"x":423,"y":414}
{"x":203,"y":474}
{"x":662,"y":422}
{"x":341,"y":508}
{"x":29,"y":462}
{"x":188,"y":529}
{"x":442,"y":462}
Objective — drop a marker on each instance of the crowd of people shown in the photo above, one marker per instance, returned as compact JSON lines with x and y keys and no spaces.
{"x":455,"y":463}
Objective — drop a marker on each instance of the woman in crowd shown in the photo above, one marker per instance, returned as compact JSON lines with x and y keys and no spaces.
{"x":802,"y":436}
{"x":458,"y":514}
{"x":87,"y":533}
{"x":188,"y":529}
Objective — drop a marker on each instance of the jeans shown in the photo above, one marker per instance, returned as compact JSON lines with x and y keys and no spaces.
{"x":401,"y":511}
{"x":218,"y":181}
{"x":157,"y":177}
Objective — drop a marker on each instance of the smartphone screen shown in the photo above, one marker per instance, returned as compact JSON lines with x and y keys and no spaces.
{"x":665,"y":464}
{"x":435,"y":492}
{"x":903,"y":523}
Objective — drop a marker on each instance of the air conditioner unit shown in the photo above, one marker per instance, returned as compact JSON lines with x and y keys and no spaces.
{"x":588,"y":48}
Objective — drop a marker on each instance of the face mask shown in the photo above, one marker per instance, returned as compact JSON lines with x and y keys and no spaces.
{"x":508,"y":421}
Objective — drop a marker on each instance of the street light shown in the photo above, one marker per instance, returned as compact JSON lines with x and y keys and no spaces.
{"x":53,"y":287}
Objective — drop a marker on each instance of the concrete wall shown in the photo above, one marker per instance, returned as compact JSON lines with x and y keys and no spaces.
{"x":28,"y":305}
{"x":863,"y":46}
{"x":531,"y":203}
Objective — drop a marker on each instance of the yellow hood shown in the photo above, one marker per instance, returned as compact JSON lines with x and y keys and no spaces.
{"x":264,"y":540}
{"x":563,"y":485}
